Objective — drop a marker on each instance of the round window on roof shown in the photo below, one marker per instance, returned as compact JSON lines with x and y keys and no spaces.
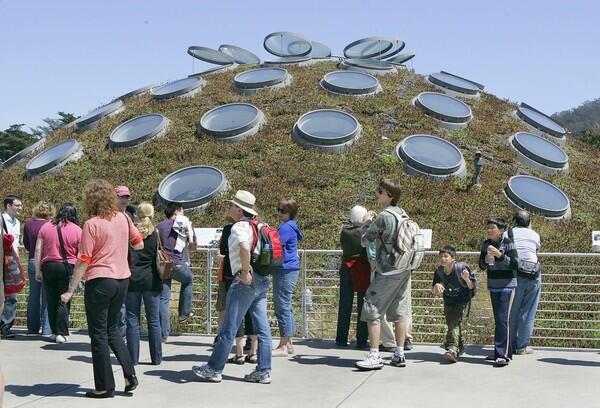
{"x":432,"y":156}
{"x":369,"y":47}
{"x":538,"y":196}
{"x":319,"y":51}
{"x":541,"y":122}
{"x":231,"y":122}
{"x":350,"y":83}
{"x":192,"y":187}
{"x":286,"y":44}
{"x":54,"y":157}
{"x":186,"y":87}
{"x":400,"y":59}
{"x":23,"y":153}
{"x":370,"y":66}
{"x":450,"y":111}
{"x":327,"y":129}
{"x":261,"y":78}
{"x":91,"y":119}
{"x":138,"y":92}
{"x":538,"y":152}
{"x":239,"y":55}
{"x":138,"y":130}
{"x":456,"y":85}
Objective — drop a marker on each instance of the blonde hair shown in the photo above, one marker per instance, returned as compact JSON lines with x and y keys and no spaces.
{"x":144,"y":215}
{"x":44,"y":210}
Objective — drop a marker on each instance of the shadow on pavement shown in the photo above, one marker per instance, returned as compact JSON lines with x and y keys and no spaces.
{"x":187,"y":357}
{"x":45,"y":390}
{"x":79,"y":347}
{"x":332,"y":361}
{"x":568,"y":362}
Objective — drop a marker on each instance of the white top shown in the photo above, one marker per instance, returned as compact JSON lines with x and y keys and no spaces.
{"x":240,"y":232}
{"x":527,"y":243}
{"x":13,"y":225}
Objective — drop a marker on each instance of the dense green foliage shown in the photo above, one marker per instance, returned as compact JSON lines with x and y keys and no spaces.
{"x":13,"y":140}
{"x":327,"y":185}
{"x":583,"y":121}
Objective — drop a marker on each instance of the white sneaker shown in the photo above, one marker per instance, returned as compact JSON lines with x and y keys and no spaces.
{"x":261,"y":377}
{"x":61,"y":339}
{"x":372,"y":362}
{"x":52,"y":337}
{"x":206,"y":373}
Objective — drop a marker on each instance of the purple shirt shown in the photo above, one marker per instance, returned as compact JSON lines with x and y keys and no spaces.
{"x":30,"y":234}
{"x":168,"y":238}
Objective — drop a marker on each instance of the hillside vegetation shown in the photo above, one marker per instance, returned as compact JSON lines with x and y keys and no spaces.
{"x":326,"y":185}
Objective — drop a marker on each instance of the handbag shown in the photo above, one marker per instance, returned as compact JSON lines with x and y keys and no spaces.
{"x":164,"y":263}
{"x":13,"y":273}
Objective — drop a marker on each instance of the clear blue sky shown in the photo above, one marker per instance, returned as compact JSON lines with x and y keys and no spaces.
{"x":76,"y":55}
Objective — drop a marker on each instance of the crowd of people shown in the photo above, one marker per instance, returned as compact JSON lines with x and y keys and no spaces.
{"x":117,"y":252}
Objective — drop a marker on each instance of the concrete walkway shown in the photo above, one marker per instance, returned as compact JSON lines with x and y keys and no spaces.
{"x":43,"y":374}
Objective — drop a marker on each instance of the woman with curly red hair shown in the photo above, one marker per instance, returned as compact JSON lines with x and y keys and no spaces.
{"x":103,"y":260}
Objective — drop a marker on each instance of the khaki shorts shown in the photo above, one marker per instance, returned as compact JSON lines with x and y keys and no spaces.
{"x":387,"y":296}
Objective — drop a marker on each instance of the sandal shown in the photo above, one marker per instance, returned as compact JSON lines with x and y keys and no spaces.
{"x":251,"y":358}
{"x":501,"y":362}
{"x":239,"y":360}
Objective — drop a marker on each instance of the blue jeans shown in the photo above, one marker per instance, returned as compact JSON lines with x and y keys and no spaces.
{"x":502,"y":300}
{"x":37,"y":305}
{"x":284,"y":282}
{"x":522,"y":315}
{"x":152,"y":307}
{"x":241,"y":299}
{"x":183,"y":274}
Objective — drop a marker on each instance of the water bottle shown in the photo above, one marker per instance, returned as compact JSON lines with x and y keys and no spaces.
{"x":308,"y":299}
{"x":265,"y":255}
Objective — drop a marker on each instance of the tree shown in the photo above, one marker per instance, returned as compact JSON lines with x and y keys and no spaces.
{"x":52,"y":124}
{"x":592,"y":136}
{"x":13,"y":140}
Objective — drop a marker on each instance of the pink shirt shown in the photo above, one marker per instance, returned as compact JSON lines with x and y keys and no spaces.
{"x":71,"y":234}
{"x":104,"y":246}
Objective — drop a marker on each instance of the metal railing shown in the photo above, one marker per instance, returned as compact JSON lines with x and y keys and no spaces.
{"x":568,"y":314}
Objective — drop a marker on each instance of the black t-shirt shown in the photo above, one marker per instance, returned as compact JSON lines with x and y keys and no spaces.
{"x":144,"y":274}
{"x":224,"y":250}
{"x":456,"y":291}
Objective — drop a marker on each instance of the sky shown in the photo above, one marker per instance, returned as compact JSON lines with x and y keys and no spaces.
{"x":73,"y":56}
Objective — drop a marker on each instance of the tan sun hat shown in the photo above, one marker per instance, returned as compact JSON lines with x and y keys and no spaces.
{"x":245,"y":200}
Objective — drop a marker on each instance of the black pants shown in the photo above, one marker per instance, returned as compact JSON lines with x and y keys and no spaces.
{"x":56,"y":280}
{"x":103,"y":300}
{"x":345,"y":311}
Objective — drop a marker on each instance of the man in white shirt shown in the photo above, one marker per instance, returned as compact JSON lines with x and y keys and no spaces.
{"x":248,"y":293}
{"x":11,"y":225}
{"x":529,"y":283}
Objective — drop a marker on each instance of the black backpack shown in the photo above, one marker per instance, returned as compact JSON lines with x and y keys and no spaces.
{"x":458,"y":267}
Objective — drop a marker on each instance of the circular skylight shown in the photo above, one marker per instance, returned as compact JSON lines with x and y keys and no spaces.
{"x":540,"y":150}
{"x":138,"y":130}
{"x":20,"y":155}
{"x":328,"y":129}
{"x":540,"y":121}
{"x":350,"y":83}
{"x":138,"y":92}
{"x":182,"y":87}
{"x":287,"y":61}
{"x":53,"y":157}
{"x":91,"y":119}
{"x":239,"y":55}
{"x":371,"y":66}
{"x":319,"y":50}
{"x":209,"y":55}
{"x":192,"y":187}
{"x":231,"y":120}
{"x":454,"y":83}
{"x":538,"y":196}
{"x":286,"y":44}
{"x":368,"y":47}
{"x":400,"y":59}
{"x":444,"y":107}
{"x":398,"y":45}
{"x":260,"y":78}
{"x":430,"y":155}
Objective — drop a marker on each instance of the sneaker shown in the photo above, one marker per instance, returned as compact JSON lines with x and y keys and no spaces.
{"x":261,"y":377}
{"x":386,"y":349}
{"x":372,"y":362}
{"x":408,"y":344}
{"x":398,"y":361}
{"x":207,"y":373}
{"x":6,"y":333}
{"x":61,"y":339}
{"x":526,"y":350}
{"x":52,"y":338}
{"x":184,"y":318}
{"x":451,"y":356}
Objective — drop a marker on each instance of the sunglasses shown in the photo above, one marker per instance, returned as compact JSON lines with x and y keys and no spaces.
{"x":281,"y":210}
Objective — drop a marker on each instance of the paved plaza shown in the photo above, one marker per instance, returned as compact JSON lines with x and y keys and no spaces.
{"x":43,"y":374}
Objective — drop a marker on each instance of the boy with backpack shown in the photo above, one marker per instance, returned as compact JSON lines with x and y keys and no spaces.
{"x":456,"y":283}
{"x":398,"y":251}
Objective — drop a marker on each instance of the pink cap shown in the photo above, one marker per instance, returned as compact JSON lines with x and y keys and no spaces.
{"x":122,"y":191}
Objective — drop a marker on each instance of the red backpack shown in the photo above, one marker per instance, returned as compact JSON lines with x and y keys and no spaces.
{"x":267,"y":252}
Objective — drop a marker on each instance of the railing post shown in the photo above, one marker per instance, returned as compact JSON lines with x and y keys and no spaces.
{"x":209,"y":264}
{"x":304,"y":308}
